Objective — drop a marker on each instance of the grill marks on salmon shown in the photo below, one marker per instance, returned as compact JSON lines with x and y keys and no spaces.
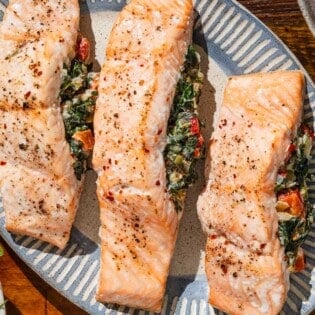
{"x":39,"y":189}
{"x":245,"y":263}
{"x":37,"y":38}
{"x":146,"y":50}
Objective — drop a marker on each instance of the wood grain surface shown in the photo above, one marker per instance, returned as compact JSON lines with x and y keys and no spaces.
{"x":26,"y":292}
{"x":285,"y":19}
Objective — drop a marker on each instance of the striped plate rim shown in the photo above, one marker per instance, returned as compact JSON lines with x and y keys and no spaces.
{"x":239,"y":43}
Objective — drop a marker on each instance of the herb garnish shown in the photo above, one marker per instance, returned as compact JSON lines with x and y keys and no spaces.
{"x":184,"y":141}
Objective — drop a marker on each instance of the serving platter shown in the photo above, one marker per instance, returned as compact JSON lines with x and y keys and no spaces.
{"x":230,"y":41}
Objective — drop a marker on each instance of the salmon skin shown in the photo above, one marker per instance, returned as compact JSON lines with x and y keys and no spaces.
{"x":245,"y":263}
{"x":144,"y":56}
{"x":39,"y":189}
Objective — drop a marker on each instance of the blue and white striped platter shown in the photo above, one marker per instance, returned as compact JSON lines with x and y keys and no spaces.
{"x":231,"y":41}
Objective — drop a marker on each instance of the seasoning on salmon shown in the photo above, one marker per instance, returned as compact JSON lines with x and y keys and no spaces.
{"x":246,"y":264}
{"x":139,"y":221}
{"x":39,"y":187}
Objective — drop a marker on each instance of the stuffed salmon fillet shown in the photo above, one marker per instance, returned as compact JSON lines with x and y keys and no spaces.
{"x":39,"y":186}
{"x":139,"y":220}
{"x":246,"y":261}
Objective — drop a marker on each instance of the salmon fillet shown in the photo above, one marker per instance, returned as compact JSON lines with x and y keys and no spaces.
{"x":39,"y":189}
{"x":146,"y":50}
{"x":245,"y":263}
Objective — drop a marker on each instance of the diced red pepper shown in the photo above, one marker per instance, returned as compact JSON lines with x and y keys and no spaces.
{"x":197,"y":153}
{"x":308,"y":130}
{"x":201,"y":141}
{"x":294,"y":200}
{"x":86,"y":137}
{"x":83,"y":48}
{"x":194,"y":127}
{"x":300,"y":263}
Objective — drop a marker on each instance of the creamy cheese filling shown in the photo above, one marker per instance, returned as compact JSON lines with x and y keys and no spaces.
{"x":78,"y":95}
{"x":293,"y":207}
{"x":185,"y":144}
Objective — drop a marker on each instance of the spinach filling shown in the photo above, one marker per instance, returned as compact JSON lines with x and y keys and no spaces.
{"x":184,"y":141}
{"x":78,"y":96}
{"x":294,"y":209}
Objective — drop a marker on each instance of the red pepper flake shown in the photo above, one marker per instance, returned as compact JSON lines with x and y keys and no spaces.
{"x":3,"y":163}
{"x":224,"y":122}
{"x":110,"y":198}
{"x":224,"y":268}
{"x":157,"y":183}
{"x":27,"y":95}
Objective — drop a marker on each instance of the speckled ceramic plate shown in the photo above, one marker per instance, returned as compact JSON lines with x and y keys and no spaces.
{"x":230,"y":41}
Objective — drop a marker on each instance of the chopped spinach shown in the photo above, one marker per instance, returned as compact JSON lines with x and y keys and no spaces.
{"x":296,"y":169}
{"x":76,"y":114}
{"x":184,"y":141}
{"x":188,"y":87}
{"x":293,"y":232}
{"x":78,"y":103}
{"x":75,"y":79}
{"x":295,"y":175}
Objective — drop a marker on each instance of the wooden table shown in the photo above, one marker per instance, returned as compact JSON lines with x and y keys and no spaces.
{"x":25,"y":291}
